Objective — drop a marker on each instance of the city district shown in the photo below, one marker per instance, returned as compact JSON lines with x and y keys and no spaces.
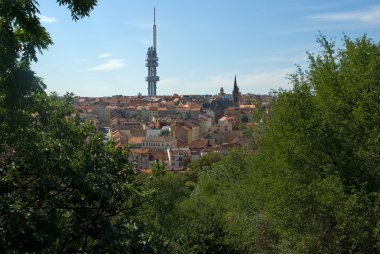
{"x":175,"y":130}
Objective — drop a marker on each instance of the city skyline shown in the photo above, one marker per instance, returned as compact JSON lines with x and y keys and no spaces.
{"x":202,"y":45}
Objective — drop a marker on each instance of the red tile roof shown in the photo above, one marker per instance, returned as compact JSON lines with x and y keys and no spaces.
{"x":201,"y":143}
{"x":135,"y":140}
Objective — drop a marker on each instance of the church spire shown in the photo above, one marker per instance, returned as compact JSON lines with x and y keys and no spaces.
{"x":236,"y":94}
{"x":236,"y":88}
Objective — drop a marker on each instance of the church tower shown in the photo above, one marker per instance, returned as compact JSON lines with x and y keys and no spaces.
{"x":152,"y":63}
{"x":236,"y":95}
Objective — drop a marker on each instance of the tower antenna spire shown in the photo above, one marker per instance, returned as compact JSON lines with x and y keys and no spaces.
{"x":154,"y":29}
{"x":152,"y":62}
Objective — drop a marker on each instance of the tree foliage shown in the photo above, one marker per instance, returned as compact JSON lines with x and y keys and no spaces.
{"x":204,"y":214}
{"x":317,"y":170}
{"x":159,"y":215}
{"x":62,"y":188}
{"x":202,"y":164}
{"x":244,"y":118}
{"x":164,"y":133}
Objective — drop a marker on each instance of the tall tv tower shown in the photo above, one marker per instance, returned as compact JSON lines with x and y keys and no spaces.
{"x":152,"y":63}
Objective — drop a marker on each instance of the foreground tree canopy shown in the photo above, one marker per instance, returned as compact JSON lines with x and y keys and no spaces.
{"x":312,"y":185}
{"x":62,"y":189}
{"x":318,"y":168}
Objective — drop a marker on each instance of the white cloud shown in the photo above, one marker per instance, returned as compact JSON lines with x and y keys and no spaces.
{"x":315,"y":7}
{"x":48,"y":20}
{"x":110,"y":65}
{"x":104,"y":55}
{"x":369,"y":16}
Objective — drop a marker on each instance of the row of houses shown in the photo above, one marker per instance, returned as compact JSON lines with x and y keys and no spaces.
{"x":184,"y":142}
{"x":172,"y":131}
{"x":175,"y":158}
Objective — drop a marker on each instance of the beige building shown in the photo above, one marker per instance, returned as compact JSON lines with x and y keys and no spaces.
{"x":159,"y":144}
{"x":153,"y":113}
{"x":139,"y":158}
{"x":225,"y":124}
{"x":205,"y":122}
{"x":104,"y":113}
{"x":188,"y":132}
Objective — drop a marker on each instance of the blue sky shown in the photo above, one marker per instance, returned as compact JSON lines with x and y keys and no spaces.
{"x":201,"y":44}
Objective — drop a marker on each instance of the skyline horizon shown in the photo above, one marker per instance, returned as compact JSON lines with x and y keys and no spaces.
{"x":198,"y":50}
{"x":181,"y":94}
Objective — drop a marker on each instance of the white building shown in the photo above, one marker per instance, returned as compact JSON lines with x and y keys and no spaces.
{"x":177,"y":158}
{"x":159,"y":144}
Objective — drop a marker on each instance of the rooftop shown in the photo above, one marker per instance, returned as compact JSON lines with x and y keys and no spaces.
{"x":159,"y":139}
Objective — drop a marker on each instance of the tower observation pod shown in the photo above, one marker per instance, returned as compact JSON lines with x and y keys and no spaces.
{"x":152,"y":63}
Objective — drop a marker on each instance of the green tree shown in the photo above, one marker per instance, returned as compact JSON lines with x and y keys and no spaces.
{"x":315,"y":183}
{"x":159,"y":216}
{"x":204,"y":163}
{"x":158,"y":169}
{"x":244,"y":119}
{"x":62,"y":189}
{"x":205,"y":215}
{"x":260,"y":120}
{"x":164,"y":133}
{"x":186,"y":161}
